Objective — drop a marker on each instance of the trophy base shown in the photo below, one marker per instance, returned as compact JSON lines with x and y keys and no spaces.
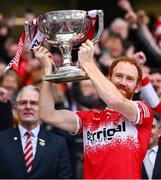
{"x":66,"y":74}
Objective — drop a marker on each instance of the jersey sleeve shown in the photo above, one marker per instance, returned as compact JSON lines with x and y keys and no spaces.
{"x":144,"y":116}
{"x":79,"y":125}
{"x":80,"y":118}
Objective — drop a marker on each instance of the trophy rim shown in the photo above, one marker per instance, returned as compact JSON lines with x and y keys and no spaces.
{"x":68,"y":78}
{"x":64,"y":10}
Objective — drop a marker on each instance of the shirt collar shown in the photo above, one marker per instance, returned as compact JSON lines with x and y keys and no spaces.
{"x":34,"y":131}
{"x":154,"y":149}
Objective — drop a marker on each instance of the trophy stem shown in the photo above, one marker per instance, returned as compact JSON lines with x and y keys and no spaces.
{"x":66,"y":49}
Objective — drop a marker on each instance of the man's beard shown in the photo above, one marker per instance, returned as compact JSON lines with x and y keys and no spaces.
{"x":127,"y":93}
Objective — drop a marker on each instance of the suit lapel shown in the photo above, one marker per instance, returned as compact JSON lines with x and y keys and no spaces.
{"x":40,"y":149}
{"x":17,"y":144}
{"x":144,"y":173}
{"x":157,"y":164}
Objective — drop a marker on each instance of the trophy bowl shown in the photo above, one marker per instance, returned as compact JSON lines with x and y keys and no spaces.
{"x":65,"y":29}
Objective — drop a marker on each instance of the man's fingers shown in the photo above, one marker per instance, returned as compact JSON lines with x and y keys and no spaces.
{"x":86,"y":46}
{"x":35,"y":49}
{"x":89,"y":43}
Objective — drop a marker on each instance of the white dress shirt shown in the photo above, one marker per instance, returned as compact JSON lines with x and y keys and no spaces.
{"x":153,"y":154}
{"x":149,"y":160}
{"x":34,"y":137}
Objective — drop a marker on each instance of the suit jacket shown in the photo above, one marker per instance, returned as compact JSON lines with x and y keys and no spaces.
{"x":156,"y":170}
{"x":6,"y":120}
{"x":51,"y":158}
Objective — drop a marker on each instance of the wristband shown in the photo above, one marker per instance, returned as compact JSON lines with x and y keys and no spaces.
{"x":148,"y":93}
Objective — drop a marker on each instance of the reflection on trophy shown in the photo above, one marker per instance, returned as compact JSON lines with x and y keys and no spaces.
{"x":66,"y":29}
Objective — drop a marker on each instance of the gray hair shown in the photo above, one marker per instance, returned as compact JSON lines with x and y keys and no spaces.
{"x":27,"y":88}
{"x":157,"y":116}
{"x":119,"y":21}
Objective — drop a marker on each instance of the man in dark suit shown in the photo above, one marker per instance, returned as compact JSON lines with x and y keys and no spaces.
{"x":37,"y":153}
{"x":151,"y":168}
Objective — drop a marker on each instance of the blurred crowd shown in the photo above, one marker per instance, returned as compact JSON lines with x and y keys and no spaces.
{"x":125,"y":36}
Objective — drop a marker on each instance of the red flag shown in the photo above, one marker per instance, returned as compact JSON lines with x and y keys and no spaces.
{"x":31,"y":36}
{"x":14,"y":64}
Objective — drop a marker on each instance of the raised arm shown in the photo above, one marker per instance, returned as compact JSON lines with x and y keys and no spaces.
{"x":106,"y":89}
{"x":63,"y":119}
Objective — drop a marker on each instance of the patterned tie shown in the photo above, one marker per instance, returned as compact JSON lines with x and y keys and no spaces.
{"x":28,"y":152}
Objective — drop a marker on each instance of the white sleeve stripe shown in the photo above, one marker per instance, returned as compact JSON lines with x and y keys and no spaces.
{"x":78,"y":125}
{"x":145,"y":109}
{"x":138,"y":113}
{"x":142,"y":107}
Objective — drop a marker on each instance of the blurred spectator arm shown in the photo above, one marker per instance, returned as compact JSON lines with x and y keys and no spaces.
{"x":142,"y":42}
{"x":140,"y":35}
{"x":141,"y":16}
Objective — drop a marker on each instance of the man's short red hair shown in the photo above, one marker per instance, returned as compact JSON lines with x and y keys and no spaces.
{"x":126,"y":60}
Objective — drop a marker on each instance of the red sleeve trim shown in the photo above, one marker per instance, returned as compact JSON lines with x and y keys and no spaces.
{"x":158,"y":108}
{"x":145,"y":81}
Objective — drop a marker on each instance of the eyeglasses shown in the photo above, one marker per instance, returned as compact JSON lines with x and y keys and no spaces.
{"x":25,"y":102}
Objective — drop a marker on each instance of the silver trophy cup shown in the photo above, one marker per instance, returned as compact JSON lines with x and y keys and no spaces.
{"x":66,"y":29}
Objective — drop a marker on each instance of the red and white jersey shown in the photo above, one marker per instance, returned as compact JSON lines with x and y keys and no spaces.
{"x":114,"y":147}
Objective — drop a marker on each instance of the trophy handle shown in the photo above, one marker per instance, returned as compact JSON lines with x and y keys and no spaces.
{"x":100,"y":26}
{"x":27,"y":31}
{"x":100,"y":15}
{"x":30,"y":30}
